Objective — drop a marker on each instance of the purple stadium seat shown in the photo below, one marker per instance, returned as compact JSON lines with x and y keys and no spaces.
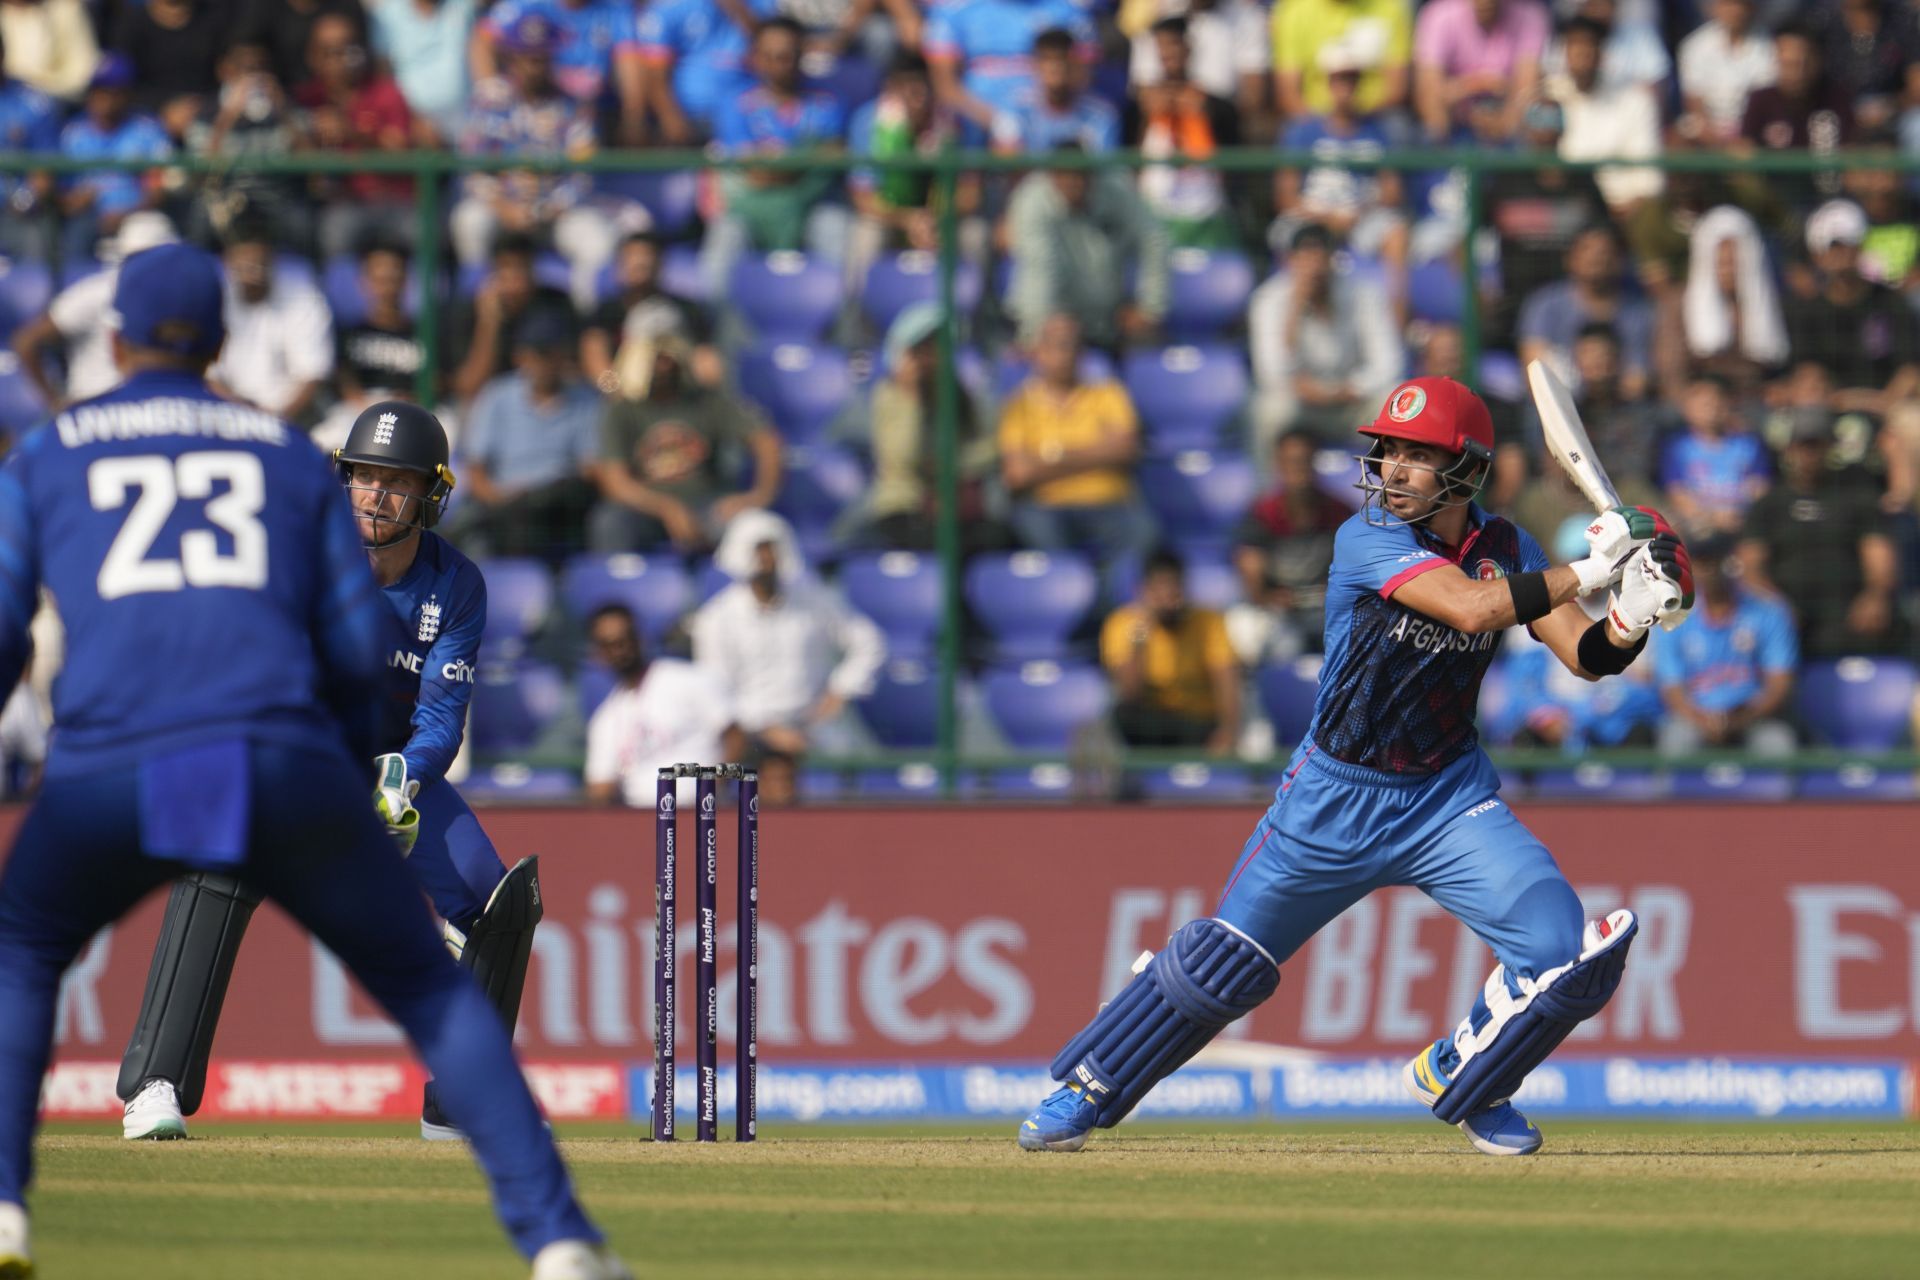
{"x":1595,"y":781}
{"x":1012,"y":369}
{"x":1861,"y":704}
{"x":1200,"y":497}
{"x":897,"y":281}
{"x":592,"y":684}
{"x":1209,"y":292}
{"x":340,"y":282}
{"x":1186,"y":395}
{"x":25,"y":290}
{"x":904,"y":708}
{"x":549,"y":269}
{"x":817,"y":784}
{"x":680,"y":273}
{"x":1041,"y":782}
{"x":1435,"y":292}
{"x":819,"y":485}
{"x":1040,"y":706}
{"x":709,"y":580}
{"x":671,"y":199}
{"x":802,"y":388}
{"x":655,"y":587}
{"x":1730,"y":782}
{"x":1287,"y":693}
{"x":20,"y":404}
{"x":512,"y":703}
{"x":1195,"y":782}
{"x":900,"y":591}
{"x":786,"y":296}
{"x":1858,"y":782}
{"x":519,"y":598}
{"x":852,"y":81}
{"x":1212,"y":582}
{"x":517,"y":783}
{"x":1031,"y":601}
{"x":918,"y":781}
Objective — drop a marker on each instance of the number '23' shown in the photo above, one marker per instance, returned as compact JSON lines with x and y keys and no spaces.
{"x":161,"y":483}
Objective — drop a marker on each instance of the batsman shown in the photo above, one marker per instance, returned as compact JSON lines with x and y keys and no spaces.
{"x":1390,"y":787}
{"x":396,"y":471}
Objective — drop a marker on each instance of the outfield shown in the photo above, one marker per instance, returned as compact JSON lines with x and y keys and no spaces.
{"x":248,"y":1202}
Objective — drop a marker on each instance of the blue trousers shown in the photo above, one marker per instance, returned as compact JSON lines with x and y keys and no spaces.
{"x":1336,"y":832}
{"x":452,"y":859}
{"x":309,"y":841}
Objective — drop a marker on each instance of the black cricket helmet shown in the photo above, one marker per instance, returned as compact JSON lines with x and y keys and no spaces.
{"x":394,"y":433}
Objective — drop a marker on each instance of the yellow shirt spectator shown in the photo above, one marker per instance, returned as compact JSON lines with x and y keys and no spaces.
{"x":1048,"y":425}
{"x":1379,"y":33}
{"x":1179,"y":662}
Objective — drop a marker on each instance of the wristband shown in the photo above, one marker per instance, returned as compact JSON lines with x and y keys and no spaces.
{"x":1601,"y":657}
{"x":1531,"y":599}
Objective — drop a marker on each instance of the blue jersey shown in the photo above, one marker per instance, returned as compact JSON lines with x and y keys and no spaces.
{"x":591,"y":36}
{"x":706,"y":49}
{"x":757,"y":123}
{"x":135,"y":138}
{"x":993,"y":42}
{"x":1721,"y":475}
{"x":208,"y":572}
{"x":1398,"y":689}
{"x":28,"y":122}
{"x":1722,"y":663}
{"x":441,"y":604}
{"x":1090,"y":123}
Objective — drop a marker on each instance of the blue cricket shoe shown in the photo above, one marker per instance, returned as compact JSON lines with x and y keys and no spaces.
{"x":1061,"y":1123}
{"x":1498,"y":1130}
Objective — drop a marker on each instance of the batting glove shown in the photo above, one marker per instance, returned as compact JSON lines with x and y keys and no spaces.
{"x":1611,"y":538}
{"x":393,"y":801}
{"x":1656,"y":585}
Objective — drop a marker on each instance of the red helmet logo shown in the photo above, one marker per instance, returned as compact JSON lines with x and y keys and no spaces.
{"x":1407,"y":404}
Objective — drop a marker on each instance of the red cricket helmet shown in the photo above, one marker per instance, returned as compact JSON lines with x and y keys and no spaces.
{"x":1436,"y":411}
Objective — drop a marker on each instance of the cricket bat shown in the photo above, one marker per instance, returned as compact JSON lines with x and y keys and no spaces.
{"x":1567,"y":441}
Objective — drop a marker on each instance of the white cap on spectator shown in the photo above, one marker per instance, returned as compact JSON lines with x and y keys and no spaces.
{"x":1341,"y":54}
{"x":141,"y":230}
{"x":1836,"y":222}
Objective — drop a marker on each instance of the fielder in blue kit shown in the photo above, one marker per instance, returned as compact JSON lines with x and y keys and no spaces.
{"x":217,"y":712}
{"x":1390,"y":787}
{"x":395,"y":468}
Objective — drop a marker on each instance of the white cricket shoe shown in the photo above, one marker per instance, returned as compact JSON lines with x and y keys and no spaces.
{"x":16,"y":1255}
{"x":154,"y":1113}
{"x":578,"y":1260}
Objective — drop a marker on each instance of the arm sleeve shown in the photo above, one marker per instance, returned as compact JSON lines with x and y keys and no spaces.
{"x":1381,"y":558}
{"x":352,"y":622}
{"x":446,"y":682}
{"x":19,"y":571}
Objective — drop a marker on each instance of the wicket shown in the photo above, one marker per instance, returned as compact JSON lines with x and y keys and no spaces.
{"x":747,"y":946}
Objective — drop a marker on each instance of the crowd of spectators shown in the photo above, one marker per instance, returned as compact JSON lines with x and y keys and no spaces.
{"x":1744,"y":346}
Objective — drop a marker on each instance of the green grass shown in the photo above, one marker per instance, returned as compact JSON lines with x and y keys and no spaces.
{"x":300,"y":1202}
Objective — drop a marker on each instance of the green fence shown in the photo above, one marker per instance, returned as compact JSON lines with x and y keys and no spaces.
{"x":436,"y":171}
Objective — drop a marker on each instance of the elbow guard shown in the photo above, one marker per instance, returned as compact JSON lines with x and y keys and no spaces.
{"x":1600,"y":656}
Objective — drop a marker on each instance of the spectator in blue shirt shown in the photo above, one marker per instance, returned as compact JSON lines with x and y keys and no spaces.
{"x":425,"y":41}
{"x":1726,"y":675}
{"x":768,"y":210}
{"x":596,"y":60}
{"x":523,"y":113}
{"x":1714,"y":470}
{"x":1058,"y":111}
{"x":94,"y":203}
{"x":29,"y":121}
{"x":1554,"y":315}
{"x":528,"y":448}
{"x":981,"y":54}
{"x":696,"y":59}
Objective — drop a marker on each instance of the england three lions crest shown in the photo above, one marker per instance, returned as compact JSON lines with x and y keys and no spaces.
{"x":429,"y":621}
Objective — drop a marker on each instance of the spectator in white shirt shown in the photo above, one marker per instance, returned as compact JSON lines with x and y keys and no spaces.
{"x":78,"y":318}
{"x":1635,"y":52}
{"x":279,"y":351}
{"x":662,"y":712}
{"x":1721,"y":63}
{"x":788,"y":654}
{"x":1603,"y":123}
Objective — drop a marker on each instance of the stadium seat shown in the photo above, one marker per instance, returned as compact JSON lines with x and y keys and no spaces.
{"x":1595,"y":781}
{"x":340,"y":282}
{"x":901,"y":592}
{"x":1336,"y":472}
{"x":1208,"y":292}
{"x":510,"y":783}
{"x":1435,"y":292}
{"x":1186,"y":395}
{"x":1030,"y":601}
{"x":1212,"y":581}
{"x":655,"y":587}
{"x":680,"y":273}
{"x":1041,"y":782}
{"x":1287,"y":693}
{"x":549,"y":269}
{"x":917,"y":781}
{"x":1197,"y":782}
{"x":904,"y":708}
{"x":1502,"y":377}
{"x":1012,"y":369}
{"x":816,"y":784}
{"x":25,"y":290}
{"x":897,"y":281}
{"x":1040,"y":706}
{"x":512,"y":703}
{"x":1861,"y":704}
{"x":519,"y":599}
{"x":1730,"y":782}
{"x":1200,"y":497}
{"x":671,"y":200}
{"x":802,"y":388}
{"x":819,"y":485}
{"x":852,"y":81}
{"x":1858,"y":782}
{"x":20,"y":404}
{"x":592,"y":685}
{"x":786,"y":296}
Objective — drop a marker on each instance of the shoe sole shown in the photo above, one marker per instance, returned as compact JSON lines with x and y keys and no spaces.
{"x":1074,"y":1143}
{"x":1479,"y":1144}
{"x":164,"y":1131}
{"x":440,"y":1132}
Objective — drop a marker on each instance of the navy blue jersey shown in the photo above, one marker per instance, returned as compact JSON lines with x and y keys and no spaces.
{"x":1398,"y":690}
{"x":208,"y":571}
{"x":441,"y":602}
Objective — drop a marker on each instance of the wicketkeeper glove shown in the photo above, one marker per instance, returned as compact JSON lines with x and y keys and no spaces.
{"x":393,"y":801}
